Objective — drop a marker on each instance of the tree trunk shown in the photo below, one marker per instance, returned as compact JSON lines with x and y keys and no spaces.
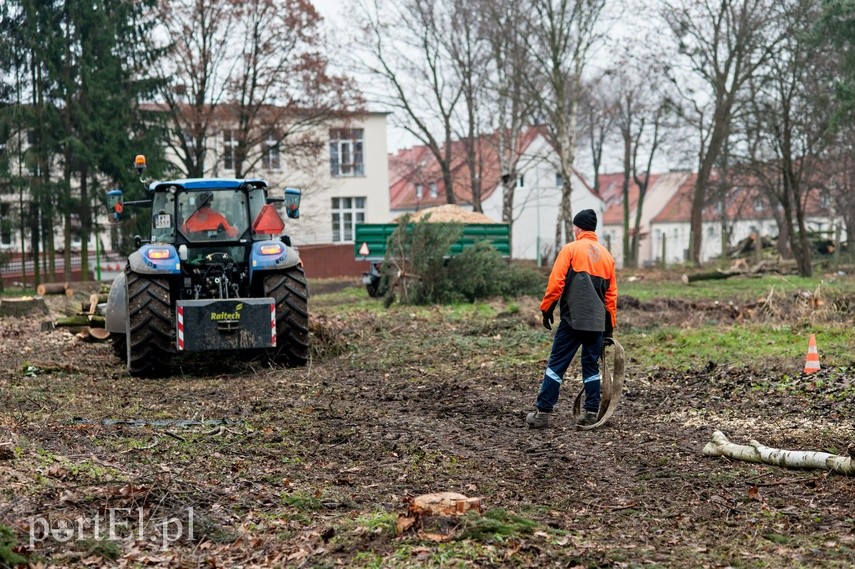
{"x":85,"y":224}
{"x":755,"y":452}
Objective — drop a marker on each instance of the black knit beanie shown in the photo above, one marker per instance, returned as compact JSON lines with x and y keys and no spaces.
{"x":586,"y":219}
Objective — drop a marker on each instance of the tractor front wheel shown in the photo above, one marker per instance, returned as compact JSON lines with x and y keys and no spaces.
{"x":291,"y":293}
{"x":150,"y":324}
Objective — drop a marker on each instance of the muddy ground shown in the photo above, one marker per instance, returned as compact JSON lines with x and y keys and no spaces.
{"x":313,"y":466}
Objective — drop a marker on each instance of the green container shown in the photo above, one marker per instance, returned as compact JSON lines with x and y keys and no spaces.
{"x":370,"y":239}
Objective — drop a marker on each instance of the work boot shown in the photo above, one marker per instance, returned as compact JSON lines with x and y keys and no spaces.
{"x":586,"y":418}
{"x":537,"y":419}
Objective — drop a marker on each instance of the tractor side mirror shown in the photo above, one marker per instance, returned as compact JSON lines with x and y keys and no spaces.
{"x":292,"y":202}
{"x":115,"y":206}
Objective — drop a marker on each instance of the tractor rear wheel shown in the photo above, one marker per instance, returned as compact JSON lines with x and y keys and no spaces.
{"x":291,"y":293}
{"x":150,"y":324}
{"x":120,"y":345}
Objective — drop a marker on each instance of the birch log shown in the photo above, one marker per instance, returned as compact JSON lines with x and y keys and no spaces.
{"x":755,"y":452}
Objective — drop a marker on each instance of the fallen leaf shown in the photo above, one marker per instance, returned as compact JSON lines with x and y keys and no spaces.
{"x":754,"y":494}
{"x":437,"y":537}
{"x":404,"y":523}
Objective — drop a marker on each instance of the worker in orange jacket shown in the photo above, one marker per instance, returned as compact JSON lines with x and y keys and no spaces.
{"x":206,"y":219}
{"x":583,"y":283}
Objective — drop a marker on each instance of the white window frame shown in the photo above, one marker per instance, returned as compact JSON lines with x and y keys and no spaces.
{"x":229,"y":147}
{"x":270,"y":160}
{"x":347,"y":156}
{"x":432,"y":189}
{"x":346,"y":212}
{"x":420,"y":191}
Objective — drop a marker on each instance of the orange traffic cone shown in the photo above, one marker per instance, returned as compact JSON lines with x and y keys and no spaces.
{"x":812,"y":358}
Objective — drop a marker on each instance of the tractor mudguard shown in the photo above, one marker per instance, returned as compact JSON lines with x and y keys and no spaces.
{"x":155,"y":259}
{"x":272,"y":256}
{"x":117,"y":306}
{"x":226,"y":324}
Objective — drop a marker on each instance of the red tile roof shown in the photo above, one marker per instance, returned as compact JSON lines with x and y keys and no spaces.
{"x":611,"y":190}
{"x":417,"y":165}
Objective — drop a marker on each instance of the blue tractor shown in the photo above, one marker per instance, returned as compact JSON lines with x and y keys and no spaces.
{"x":217,"y":274}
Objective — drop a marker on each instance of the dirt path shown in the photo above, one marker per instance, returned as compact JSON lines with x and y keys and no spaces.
{"x":312,"y":466}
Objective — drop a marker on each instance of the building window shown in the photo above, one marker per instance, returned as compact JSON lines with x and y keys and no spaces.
{"x":229,"y":146}
{"x":758,"y":204}
{"x":189,"y":140}
{"x":270,"y":158}
{"x":420,"y":191}
{"x":346,"y":212}
{"x":559,"y":180}
{"x":521,"y":182}
{"x":346,"y":152}
{"x":434,"y":193}
{"x":5,"y":225}
{"x":824,"y":200}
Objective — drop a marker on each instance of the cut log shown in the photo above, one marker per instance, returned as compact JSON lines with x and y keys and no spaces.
{"x":98,"y":334}
{"x":97,"y":298}
{"x":55,"y":288}
{"x":755,"y":452}
{"x":22,"y":307}
{"x":714,"y":275}
{"x":83,"y":320}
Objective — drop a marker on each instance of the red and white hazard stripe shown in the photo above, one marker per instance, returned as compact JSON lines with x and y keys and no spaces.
{"x":180,"y":327}
{"x":273,"y":323}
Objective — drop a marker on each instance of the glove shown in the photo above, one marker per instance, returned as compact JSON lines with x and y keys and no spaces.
{"x":548,"y":318}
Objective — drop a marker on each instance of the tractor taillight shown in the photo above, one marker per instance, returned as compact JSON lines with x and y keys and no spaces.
{"x":274,"y":249}
{"x":155,"y":254}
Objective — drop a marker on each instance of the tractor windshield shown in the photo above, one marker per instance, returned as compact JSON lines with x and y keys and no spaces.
{"x":212,"y":215}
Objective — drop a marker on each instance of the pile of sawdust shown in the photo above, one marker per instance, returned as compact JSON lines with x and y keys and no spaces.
{"x":449,"y":213}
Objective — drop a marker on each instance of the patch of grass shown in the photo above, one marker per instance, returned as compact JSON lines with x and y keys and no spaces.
{"x":680,"y":348}
{"x":739,"y":289}
{"x":495,"y":525}
{"x":302,"y":501}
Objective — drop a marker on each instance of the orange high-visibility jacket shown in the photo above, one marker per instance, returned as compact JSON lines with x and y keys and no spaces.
{"x":206,"y":219}
{"x":583,"y":282}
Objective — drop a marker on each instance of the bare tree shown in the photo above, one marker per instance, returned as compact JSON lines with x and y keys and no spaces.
{"x":641,"y":109}
{"x":724,"y":42}
{"x":408,"y":44}
{"x":281,"y":87}
{"x":597,"y":117}
{"x":504,"y":95}
{"x":785,"y":130}
{"x":469,"y":50}
{"x":251,"y":72}
{"x":561,"y":38}
{"x":195,"y":75}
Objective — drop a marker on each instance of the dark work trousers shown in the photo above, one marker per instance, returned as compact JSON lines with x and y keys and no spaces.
{"x":564,"y":347}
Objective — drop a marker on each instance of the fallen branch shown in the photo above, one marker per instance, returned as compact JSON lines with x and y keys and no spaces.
{"x":81,"y":320}
{"x":755,"y":452}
